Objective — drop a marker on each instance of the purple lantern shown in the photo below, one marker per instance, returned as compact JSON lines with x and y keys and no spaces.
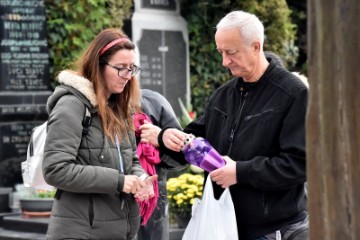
{"x":199,"y":152}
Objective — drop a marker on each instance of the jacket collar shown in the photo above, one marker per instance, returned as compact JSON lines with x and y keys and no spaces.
{"x":248,"y":86}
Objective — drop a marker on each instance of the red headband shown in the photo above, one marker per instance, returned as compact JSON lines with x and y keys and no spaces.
{"x":112,"y":43}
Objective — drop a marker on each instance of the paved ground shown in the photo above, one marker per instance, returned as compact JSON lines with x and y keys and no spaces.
{"x":175,"y":234}
{"x":16,"y":227}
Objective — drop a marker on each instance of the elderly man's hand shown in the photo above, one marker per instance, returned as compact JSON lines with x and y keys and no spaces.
{"x":174,"y":139}
{"x":226,"y":175}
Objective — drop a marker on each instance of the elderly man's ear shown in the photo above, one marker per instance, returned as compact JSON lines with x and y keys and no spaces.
{"x":256,"y":47}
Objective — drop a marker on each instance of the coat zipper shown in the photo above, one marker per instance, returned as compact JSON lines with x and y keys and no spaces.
{"x":265,"y":205}
{"x":127,"y":217}
{"x":242,"y":103}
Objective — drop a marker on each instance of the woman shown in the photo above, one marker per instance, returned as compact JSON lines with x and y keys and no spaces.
{"x":98,"y":173}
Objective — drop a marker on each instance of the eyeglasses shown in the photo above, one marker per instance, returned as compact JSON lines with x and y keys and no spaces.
{"x":123,"y":72}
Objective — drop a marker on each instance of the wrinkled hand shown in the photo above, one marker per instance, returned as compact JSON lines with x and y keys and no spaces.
{"x":149,"y":133}
{"x":132,"y":184}
{"x":226,"y":175}
{"x":174,"y":139}
{"x":148,"y":190}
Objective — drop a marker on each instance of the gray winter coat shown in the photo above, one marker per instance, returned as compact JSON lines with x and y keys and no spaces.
{"x":86,"y":168}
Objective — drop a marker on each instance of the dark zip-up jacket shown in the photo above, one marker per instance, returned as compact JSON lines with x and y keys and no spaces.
{"x":261,"y":126}
{"x":162,"y":115}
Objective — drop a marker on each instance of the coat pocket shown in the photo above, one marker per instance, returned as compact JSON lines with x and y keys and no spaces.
{"x":91,"y":210}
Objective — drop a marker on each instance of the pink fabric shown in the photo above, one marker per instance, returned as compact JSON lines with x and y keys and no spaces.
{"x":148,"y":156}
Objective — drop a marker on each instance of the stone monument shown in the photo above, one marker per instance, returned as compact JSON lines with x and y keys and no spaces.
{"x":162,"y":38}
{"x":24,"y":81}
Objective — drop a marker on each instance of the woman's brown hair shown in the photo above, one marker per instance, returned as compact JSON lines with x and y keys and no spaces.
{"x":115,"y":112}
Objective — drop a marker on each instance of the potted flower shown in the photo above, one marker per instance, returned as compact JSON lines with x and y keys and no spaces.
{"x":35,"y":202}
{"x":182,"y":192}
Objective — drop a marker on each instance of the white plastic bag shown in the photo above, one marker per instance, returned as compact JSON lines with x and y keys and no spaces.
{"x":212,"y":219}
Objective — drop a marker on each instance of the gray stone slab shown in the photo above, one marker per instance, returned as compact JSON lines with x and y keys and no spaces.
{"x":20,"y":223}
{"x":15,"y":235}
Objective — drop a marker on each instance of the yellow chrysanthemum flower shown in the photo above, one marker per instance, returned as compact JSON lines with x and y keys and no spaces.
{"x":182,"y":192}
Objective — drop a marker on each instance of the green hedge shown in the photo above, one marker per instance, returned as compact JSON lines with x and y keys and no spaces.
{"x":71,"y":25}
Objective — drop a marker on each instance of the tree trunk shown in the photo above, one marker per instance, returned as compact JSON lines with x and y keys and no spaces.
{"x":333,"y":123}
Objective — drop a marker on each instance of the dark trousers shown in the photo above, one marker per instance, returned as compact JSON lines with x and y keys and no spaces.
{"x":295,"y":231}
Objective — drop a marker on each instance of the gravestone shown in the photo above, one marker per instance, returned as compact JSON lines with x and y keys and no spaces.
{"x":162,"y":38}
{"x":24,"y":81}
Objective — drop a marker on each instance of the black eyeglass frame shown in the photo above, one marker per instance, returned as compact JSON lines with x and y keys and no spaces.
{"x":133,"y":71}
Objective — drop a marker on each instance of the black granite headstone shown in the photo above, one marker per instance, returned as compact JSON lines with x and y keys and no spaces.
{"x":163,"y":62}
{"x":175,"y":73}
{"x":24,"y":82}
{"x":24,"y":52}
{"x":161,"y":36}
{"x":151,"y":61}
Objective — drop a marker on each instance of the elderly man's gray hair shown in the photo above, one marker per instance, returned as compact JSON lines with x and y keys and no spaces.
{"x":251,"y":28}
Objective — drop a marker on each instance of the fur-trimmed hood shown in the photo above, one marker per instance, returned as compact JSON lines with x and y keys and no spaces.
{"x":79,"y":86}
{"x":80,"y":83}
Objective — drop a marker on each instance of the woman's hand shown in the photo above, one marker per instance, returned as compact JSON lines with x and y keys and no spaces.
{"x":132,"y":184}
{"x":148,"y":190}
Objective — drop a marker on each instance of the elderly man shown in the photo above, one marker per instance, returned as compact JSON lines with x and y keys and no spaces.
{"x":257,"y":122}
